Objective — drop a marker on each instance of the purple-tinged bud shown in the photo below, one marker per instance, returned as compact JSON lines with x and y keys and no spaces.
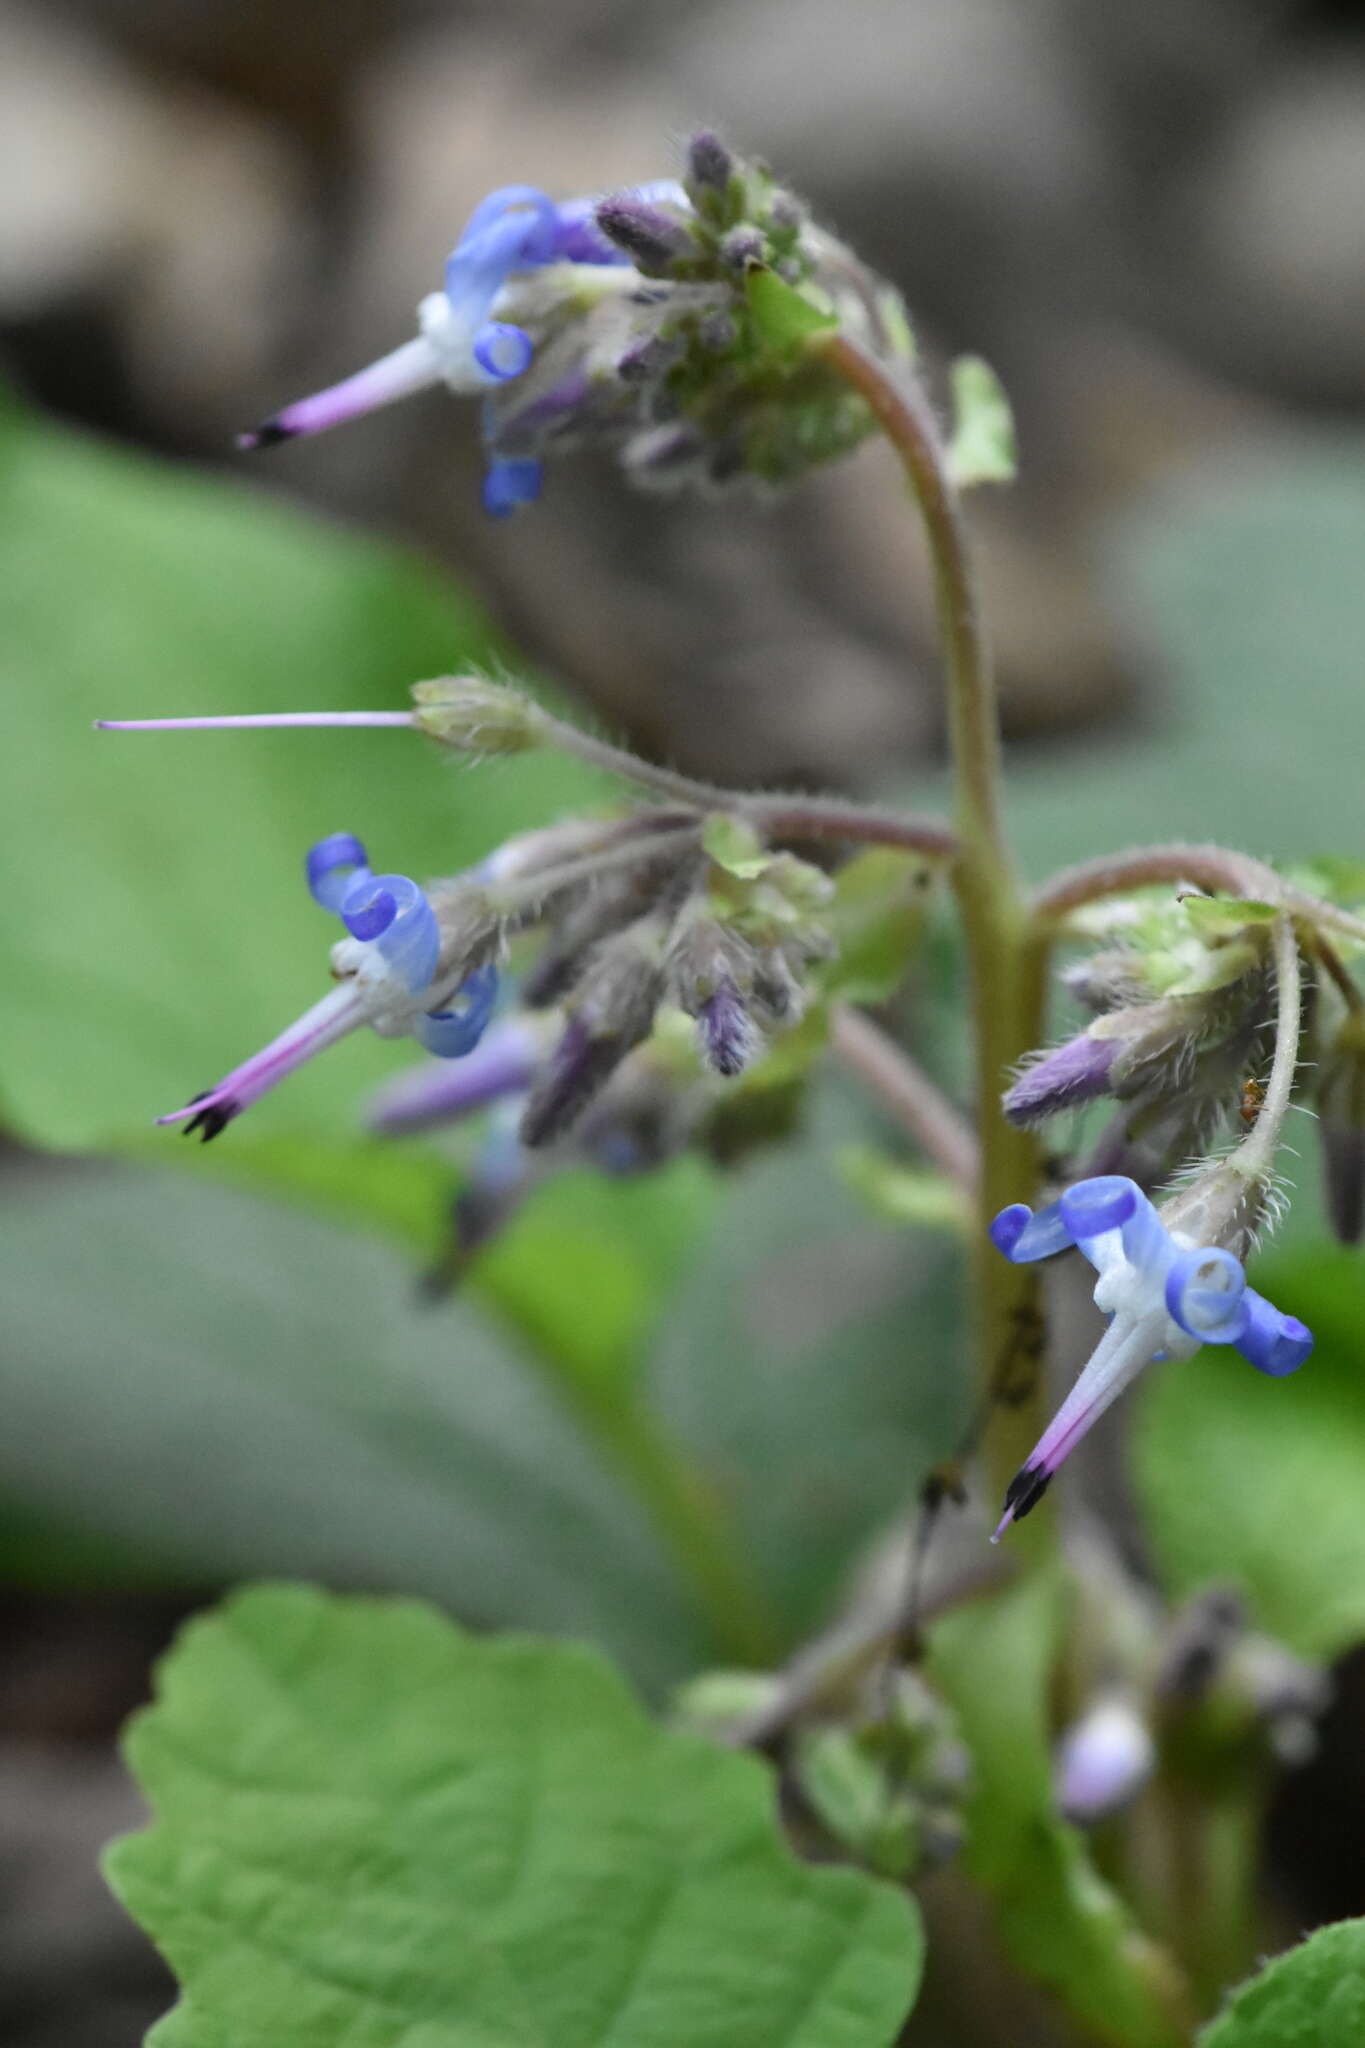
{"x":603,"y":906}
{"x":709,"y":162}
{"x":613,"y":1012}
{"x":443,"y":1091}
{"x":1103,"y":1761}
{"x":1070,"y":1074}
{"x":743,"y":247}
{"x":653,"y":239}
{"x":726,"y":1031}
{"x":710,"y":976}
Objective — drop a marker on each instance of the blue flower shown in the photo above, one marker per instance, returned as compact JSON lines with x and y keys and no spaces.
{"x":1165,"y":1297}
{"x":389,"y":967}
{"x":511,"y":234}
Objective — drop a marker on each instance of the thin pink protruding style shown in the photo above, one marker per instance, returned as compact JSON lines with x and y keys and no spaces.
{"x":254,"y":718}
{"x":410,"y":368}
{"x":337,"y":1014}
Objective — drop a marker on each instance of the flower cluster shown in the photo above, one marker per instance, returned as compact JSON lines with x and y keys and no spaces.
{"x":637,"y":929}
{"x":1169,"y":1282}
{"x":665,"y":321}
{"x":1184,"y":1017}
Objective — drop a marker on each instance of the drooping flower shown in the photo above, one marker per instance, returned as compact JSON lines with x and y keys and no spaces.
{"x":1166,"y":1294}
{"x":407,"y":966}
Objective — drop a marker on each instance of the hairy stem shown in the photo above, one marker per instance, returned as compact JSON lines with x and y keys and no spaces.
{"x":1006,"y":989}
{"x":523,"y":892}
{"x":1257,"y":1150}
{"x":903,"y":1088}
{"x":1216,"y":868}
{"x":814,"y":817}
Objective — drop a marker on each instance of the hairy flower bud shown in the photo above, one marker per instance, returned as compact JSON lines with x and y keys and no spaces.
{"x":1061,"y":1079}
{"x":653,"y":239}
{"x":612,"y":1012}
{"x":475,"y":715}
{"x":710,"y":975}
{"x":709,"y":162}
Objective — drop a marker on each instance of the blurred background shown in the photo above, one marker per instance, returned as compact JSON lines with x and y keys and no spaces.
{"x":1150,"y":220}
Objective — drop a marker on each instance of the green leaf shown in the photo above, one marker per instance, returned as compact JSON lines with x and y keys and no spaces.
{"x":981,"y":449}
{"x":879,"y":915}
{"x":810,"y":1362}
{"x":994,"y":1662}
{"x":167,"y":932}
{"x":215,"y":1386}
{"x":1313,"y":1997}
{"x":1242,"y":582}
{"x":370,"y":1827}
{"x":1222,"y":917}
{"x":1261,"y":1480}
{"x":913,"y":1195}
{"x":733,"y":844}
{"x":784,"y":317}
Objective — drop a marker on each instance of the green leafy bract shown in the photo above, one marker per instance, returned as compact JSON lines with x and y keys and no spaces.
{"x":370,"y":1827}
{"x":1313,"y":1997}
{"x":981,"y":449}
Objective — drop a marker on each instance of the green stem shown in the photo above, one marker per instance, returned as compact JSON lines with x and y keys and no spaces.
{"x":1006,"y":987}
{"x":695,"y":1527}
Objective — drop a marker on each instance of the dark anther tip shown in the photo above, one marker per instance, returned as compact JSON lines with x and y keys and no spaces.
{"x":268,"y":435}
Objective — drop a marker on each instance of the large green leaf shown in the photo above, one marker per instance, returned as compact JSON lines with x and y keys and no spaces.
{"x":1064,"y":1926}
{"x":811,"y":1361}
{"x":1240,"y":585}
{"x":1313,"y":1997}
{"x":1262,"y":1480}
{"x":213,"y":1386}
{"x":372,"y":1828}
{"x":156,"y":927}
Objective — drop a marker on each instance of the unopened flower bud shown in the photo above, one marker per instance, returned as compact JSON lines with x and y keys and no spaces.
{"x":653,"y":239}
{"x":1103,"y":1760}
{"x":1341,"y":1114}
{"x":613,"y":1012}
{"x":743,"y":247}
{"x":709,"y":162}
{"x":710,"y":973}
{"x":476,"y":716}
{"x":1061,"y":1079}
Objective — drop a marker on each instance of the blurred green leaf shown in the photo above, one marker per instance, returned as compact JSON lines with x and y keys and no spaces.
{"x":1239,"y":582}
{"x":163,"y":930}
{"x":1313,"y":1997}
{"x":994,"y":1661}
{"x":911,"y":1195}
{"x":586,"y":1270}
{"x":981,"y":448}
{"x":879,"y":914}
{"x":811,"y":1363}
{"x":222,"y":1387}
{"x":1261,"y":1480}
{"x":369,"y":1825}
